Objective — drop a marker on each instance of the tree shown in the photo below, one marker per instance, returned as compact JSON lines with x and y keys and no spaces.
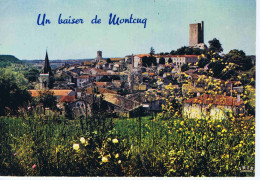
{"x":215,"y":46}
{"x":47,"y":99}
{"x":145,"y":61}
{"x":239,"y":58}
{"x":170,"y":60}
{"x":32,"y":75}
{"x":109,"y":60}
{"x":173,"y":52}
{"x":152,"y":60}
{"x":152,"y":52}
{"x":203,"y":62}
{"x":11,"y":95}
{"x":185,"y":67}
{"x":149,"y":61}
{"x":180,"y":51}
{"x":217,"y":68}
{"x":162,"y":60}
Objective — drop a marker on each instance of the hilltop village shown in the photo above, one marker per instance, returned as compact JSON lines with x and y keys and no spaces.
{"x":143,"y":83}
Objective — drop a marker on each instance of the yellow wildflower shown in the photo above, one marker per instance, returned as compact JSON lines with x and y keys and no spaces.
{"x":115,"y":141}
{"x":82,"y":140}
{"x":76,"y":146}
{"x":104,"y":159}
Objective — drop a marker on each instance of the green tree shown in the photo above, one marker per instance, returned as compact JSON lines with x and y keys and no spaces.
{"x":185,"y":67}
{"x":239,"y":58}
{"x":152,"y":52}
{"x":152,"y":60}
{"x":47,"y":99}
{"x":162,"y":60}
{"x":145,"y":62}
{"x":32,"y":75}
{"x":149,"y":61}
{"x":215,"y":46}
{"x":11,"y":95}
{"x":173,"y":52}
{"x":109,"y":60}
{"x":170,"y":60}
{"x":203,"y":62}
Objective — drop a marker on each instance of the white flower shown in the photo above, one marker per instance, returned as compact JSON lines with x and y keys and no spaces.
{"x":104,"y":159}
{"x":76,"y":146}
{"x":82,"y":140}
{"x":119,"y":161}
{"x":115,"y":141}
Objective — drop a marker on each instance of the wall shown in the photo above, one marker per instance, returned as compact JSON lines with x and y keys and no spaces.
{"x":200,"y":111}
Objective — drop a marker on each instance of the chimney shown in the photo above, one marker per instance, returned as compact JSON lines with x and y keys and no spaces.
{"x":132,"y":61}
{"x":238,"y":98}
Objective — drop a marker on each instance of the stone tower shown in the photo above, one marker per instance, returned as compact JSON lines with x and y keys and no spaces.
{"x":196,"y":34}
{"x":99,"y":56}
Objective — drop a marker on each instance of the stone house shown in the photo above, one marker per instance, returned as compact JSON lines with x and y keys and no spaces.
{"x":213,"y":106}
{"x":72,"y":107}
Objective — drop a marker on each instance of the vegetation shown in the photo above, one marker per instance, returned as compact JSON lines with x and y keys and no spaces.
{"x":8,"y":60}
{"x":162,"y":60}
{"x":149,"y":61}
{"x":152,"y":51}
{"x":184,"y":67}
{"x":163,"y":145}
{"x":170,"y":60}
{"x":12,"y":95}
{"x":32,"y":75}
{"x":215,"y":46}
{"x":187,"y":51}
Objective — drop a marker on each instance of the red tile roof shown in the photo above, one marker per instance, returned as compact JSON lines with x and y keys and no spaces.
{"x":57,"y":92}
{"x":67,"y":99}
{"x":99,"y":90}
{"x":142,"y":55}
{"x":214,"y":100}
{"x":83,"y":77}
{"x":100,"y":84}
{"x":169,"y":55}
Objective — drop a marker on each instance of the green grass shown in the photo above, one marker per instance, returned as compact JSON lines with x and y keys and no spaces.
{"x":148,"y":146}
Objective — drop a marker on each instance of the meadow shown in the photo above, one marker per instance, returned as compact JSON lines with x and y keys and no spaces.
{"x":157,"y":145}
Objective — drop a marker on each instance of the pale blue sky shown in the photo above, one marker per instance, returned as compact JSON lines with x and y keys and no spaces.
{"x":233,"y":22}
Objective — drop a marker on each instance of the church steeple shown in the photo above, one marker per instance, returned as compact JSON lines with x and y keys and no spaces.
{"x":47,"y":67}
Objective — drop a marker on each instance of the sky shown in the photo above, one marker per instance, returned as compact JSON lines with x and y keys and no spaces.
{"x":232,"y":22}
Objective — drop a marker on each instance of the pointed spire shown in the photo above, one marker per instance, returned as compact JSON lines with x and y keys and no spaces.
{"x":47,"y":67}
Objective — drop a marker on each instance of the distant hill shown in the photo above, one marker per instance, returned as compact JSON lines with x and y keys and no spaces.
{"x":54,"y":63}
{"x":7,"y":60}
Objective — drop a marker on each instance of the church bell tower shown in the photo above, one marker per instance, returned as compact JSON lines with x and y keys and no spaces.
{"x":46,"y":74}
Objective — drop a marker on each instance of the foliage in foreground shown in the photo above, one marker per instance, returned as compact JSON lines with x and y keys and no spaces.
{"x":163,"y":145}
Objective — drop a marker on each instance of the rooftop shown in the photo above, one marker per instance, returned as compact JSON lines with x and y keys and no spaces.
{"x":121,"y":101}
{"x":67,"y":99}
{"x":214,"y":100}
{"x":56,"y":92}
{"x":99,"y":90}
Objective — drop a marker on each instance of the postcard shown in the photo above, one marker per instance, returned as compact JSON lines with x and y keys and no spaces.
{"x":114,"y":88}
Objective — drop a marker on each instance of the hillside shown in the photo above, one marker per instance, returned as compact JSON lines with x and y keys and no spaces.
{"x":7,"y":60}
